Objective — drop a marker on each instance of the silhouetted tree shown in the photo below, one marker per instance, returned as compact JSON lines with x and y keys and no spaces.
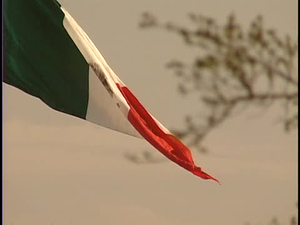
{"x":235,"y":69}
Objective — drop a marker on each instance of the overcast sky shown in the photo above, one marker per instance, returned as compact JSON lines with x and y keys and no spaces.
{"x":61,"y":170}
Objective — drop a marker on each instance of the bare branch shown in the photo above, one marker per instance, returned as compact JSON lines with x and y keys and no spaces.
{"x":235,"y":67}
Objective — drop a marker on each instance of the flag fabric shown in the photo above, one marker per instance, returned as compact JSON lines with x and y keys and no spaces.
{"x":49,"y":56}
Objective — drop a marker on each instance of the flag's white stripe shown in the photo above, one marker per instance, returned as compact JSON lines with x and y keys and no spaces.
{"x":103,"y":111}
{"x":111,"y":73}
{"x":102,"y":108}
{"x":92,"y":55}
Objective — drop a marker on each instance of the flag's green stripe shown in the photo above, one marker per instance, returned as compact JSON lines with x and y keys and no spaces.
{"x":41,"y":59}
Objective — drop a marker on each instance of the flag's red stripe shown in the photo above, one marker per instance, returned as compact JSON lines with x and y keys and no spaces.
{"x":167,"y":144}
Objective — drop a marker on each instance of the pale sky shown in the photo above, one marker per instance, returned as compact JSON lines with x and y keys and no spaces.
{"x":61,"y":170}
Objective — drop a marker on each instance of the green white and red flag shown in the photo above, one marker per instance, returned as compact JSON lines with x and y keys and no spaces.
{"x":49,"y":56}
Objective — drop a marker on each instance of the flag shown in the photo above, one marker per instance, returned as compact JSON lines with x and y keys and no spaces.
{"x":49,"y":56}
